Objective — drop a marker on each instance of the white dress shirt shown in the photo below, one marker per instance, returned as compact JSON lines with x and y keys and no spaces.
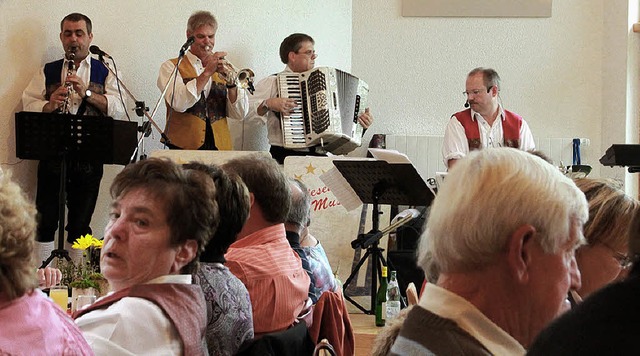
{"x":450,"y":306}
{"x":187,"y":95}
{"x":456,"y":145}
{"x":133,"y":326}
{"x":33,"y":97}
{"x":267,"y":88}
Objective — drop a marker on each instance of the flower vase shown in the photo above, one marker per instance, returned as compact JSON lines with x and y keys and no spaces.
{"x":82,"y":295}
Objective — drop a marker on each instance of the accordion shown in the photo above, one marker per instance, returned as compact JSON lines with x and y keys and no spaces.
{"x":328,"y":104}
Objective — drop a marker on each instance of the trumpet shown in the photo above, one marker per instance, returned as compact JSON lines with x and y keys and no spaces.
{"x":241,"y":77}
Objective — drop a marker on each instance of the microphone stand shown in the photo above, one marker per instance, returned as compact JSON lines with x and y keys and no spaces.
{"x":164,"y":91}
{"x":140,"y":111}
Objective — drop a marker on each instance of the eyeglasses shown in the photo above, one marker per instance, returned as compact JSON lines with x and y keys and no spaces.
{"x":475,"y":92}
{"x":624,"y":260}
{"x":309,"y":53}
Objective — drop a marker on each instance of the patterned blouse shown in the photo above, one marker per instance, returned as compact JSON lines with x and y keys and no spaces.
{"x":229,"y":317}
{"x":321,"y":269}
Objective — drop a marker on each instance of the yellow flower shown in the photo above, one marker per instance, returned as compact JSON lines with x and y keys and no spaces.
{"x":86,"y":241}
{"x":97,"y":243}
{"x":83,"y":242}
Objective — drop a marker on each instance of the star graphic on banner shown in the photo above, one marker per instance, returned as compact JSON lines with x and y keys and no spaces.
{"x":297,"y":177}
{"x":311,"y":169}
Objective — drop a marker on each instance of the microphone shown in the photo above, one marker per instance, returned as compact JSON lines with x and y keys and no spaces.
{"x":96,"y":50}
{"x":466,"y":104}
{"x":187,"y":44}
{"x":402,"y":218}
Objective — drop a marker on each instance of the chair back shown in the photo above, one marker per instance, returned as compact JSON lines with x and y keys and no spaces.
{"x":293,"y":341}
{"x":324,"y":348}
{"x":331,"y":322}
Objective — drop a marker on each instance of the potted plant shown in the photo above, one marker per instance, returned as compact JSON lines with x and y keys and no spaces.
{"x":84,"y":276}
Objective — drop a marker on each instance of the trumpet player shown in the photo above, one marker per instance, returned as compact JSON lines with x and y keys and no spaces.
{"x":205,"y":93}
{"x":298,"y":54}
{"x":59,"y":82}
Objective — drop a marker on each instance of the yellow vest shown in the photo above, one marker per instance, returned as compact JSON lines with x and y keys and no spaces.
{"x":187,"y":129}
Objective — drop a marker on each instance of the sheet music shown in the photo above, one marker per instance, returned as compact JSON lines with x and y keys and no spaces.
{"x":341,"y":189}
{"x":390,"y":156}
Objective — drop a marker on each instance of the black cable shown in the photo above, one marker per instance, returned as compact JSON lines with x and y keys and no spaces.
{"x":124,"y":106}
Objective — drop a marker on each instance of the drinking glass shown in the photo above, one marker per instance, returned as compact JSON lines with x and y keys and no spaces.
{"x":60,"y":296}
{"x":84,"y":300}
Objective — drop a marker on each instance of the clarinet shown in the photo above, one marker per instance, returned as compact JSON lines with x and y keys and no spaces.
{"x":66,"y":107}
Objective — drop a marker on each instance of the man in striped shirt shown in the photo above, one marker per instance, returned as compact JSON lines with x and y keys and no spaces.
{"x":262,"y":257}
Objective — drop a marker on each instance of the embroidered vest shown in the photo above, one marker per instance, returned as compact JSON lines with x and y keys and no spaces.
{"x":53,"y":80}
{"x":510,"y":129}
{"x":183,"y":304}
{"x":187,"y":129}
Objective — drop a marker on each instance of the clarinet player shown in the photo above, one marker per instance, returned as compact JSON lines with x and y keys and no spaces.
{"x":62,"y":86}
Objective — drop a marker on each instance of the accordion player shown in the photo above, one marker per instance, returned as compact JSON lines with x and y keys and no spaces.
{"x":329,"y":102}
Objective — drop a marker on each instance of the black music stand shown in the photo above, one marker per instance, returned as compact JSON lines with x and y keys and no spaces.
{"x":99,"y":139}
{"x":379,"y":182}
{"x":623,"y":155}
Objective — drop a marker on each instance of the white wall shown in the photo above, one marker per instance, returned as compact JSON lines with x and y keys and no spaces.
{"x":140,"y":36}
{"x":568,"y":75}
{"x":573,"y":74}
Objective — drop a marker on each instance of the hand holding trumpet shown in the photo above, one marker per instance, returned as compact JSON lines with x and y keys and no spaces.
{"x":213,"y":63}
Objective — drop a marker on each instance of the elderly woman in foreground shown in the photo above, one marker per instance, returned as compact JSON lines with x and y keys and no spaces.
{"x":161,"y":218}
{"x":31,"y":323}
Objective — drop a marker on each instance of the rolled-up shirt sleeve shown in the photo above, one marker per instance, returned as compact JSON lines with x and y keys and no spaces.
{"x":527,"y":143}
{"x":180,"y":95}
{"x":239,"y":109}
{"x":454,"y":145}
{"x":33,"y":96}
{"x":115,"y":107}
{"x":265,"y":89}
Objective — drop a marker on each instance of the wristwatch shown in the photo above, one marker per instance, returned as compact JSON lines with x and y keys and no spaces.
{"x":87,"y":94}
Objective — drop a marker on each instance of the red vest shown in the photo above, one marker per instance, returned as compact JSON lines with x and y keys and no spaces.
{"x":183,"y":304}
{"x":510,"y":129}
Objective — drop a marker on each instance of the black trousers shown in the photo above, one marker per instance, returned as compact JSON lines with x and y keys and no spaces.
{"x":82,"y":187}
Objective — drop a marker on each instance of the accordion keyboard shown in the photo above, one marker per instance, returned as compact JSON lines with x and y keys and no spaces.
{"x":293,"y":128}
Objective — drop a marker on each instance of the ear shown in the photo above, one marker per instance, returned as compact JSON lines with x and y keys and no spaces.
{"x":519,"y":252}
{"x":185,"y":253}
{"x":290,"y":56}
{"x":252,"y":199}
{"x":494,"y":90}
{"x":189,"y":33}
{"x":90,"y":37}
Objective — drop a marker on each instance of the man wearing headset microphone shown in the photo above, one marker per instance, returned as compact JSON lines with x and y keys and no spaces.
{"x":485,"y":123}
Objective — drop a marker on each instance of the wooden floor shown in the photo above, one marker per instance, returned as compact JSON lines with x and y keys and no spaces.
{"x":365,"y":331}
